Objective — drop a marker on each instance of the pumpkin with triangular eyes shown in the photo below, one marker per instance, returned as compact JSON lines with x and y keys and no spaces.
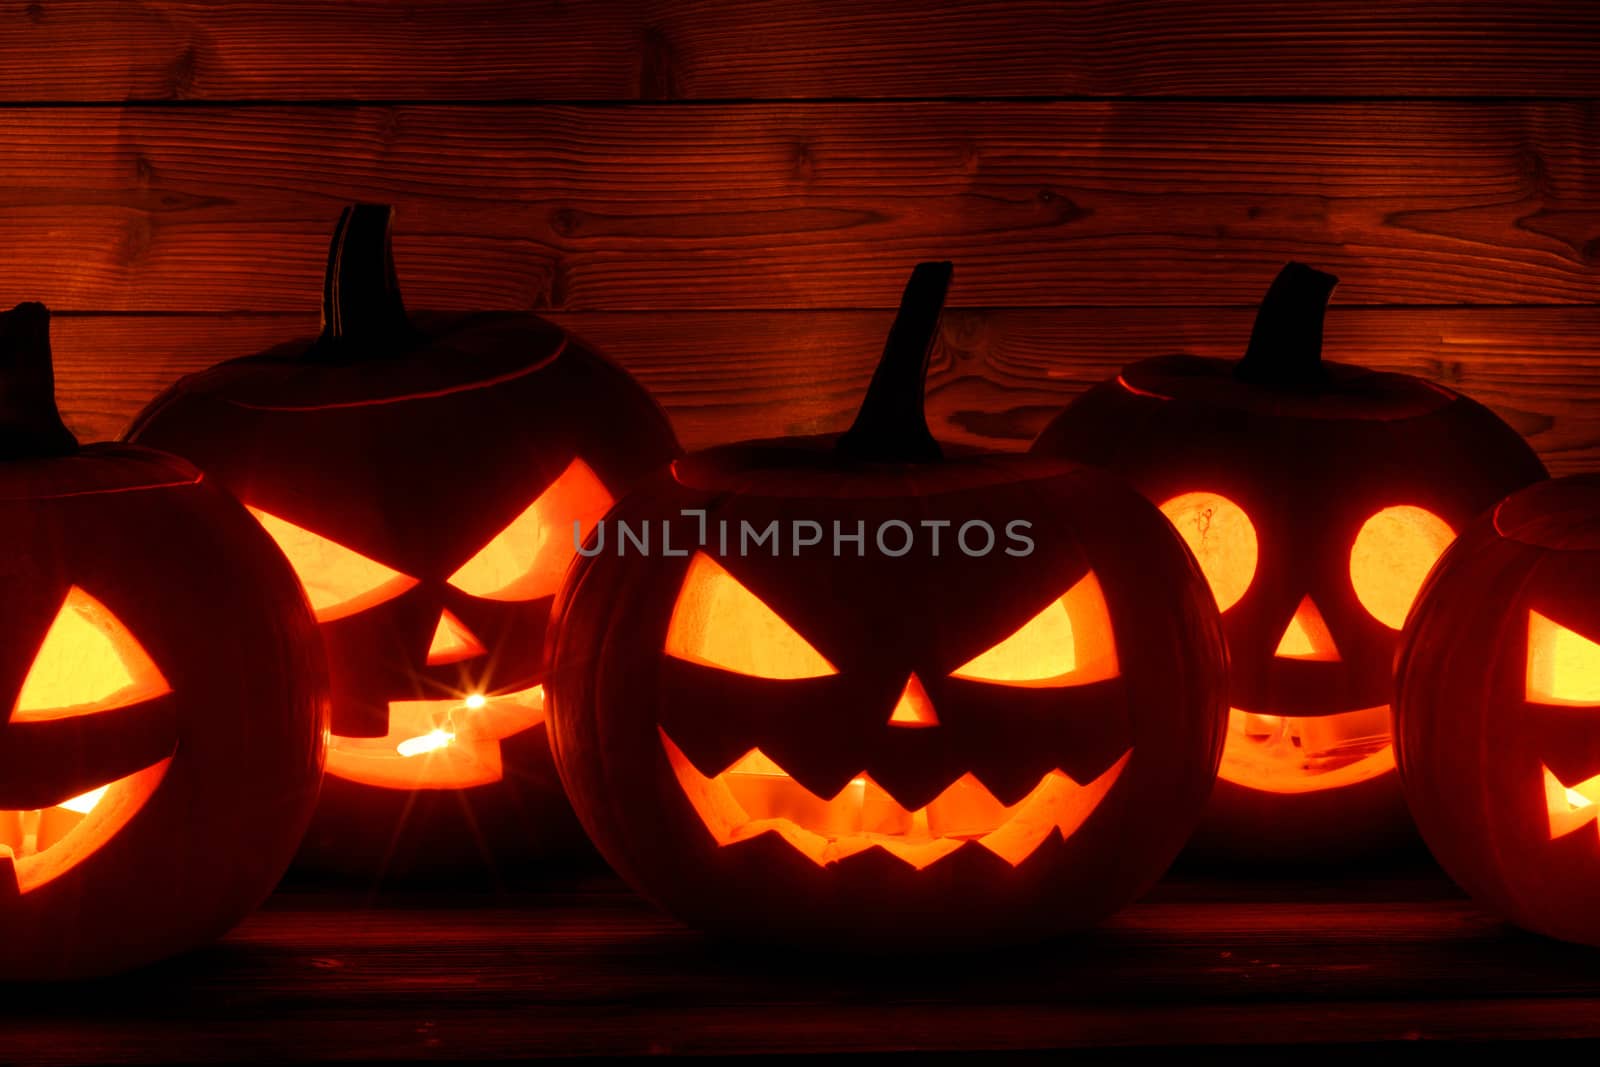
{"x":424,"y":474}
{"x":165,"y":695}
{"x":1497,"y":709}
{"x":851,"y":690}
{"x":1315,"y":495}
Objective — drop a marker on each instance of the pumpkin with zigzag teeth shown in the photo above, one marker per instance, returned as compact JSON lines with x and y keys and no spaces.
{"x":995,"y":716}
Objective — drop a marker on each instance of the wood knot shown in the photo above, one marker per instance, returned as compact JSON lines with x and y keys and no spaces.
{"x":566,"y":221}
{"x":182,"y":73}
{"x":553,"y":297}
{"x":804,"y":164}
{"x":658,"y":79}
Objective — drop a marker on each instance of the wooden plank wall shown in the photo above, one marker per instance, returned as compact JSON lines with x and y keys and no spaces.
{"x":727,"y":194}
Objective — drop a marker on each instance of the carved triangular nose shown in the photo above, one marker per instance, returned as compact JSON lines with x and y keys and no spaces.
{"x":913,"y":708}
{"x":452,"y":642}
{"x":1307,"y":636}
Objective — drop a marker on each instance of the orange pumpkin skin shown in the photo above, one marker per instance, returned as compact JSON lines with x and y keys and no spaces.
{"x":1313,"y":454}
{"x":430,"y":446}
{"x":1497,"y":713}
{"x":883,"y":706}
{"x":156,"y":644}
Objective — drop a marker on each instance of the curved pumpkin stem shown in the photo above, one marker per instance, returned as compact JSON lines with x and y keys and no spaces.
{"x":361,"y":303}
{"x":891,"y":426}
{"x":1286,"y":343}
{"x":30,"y":424}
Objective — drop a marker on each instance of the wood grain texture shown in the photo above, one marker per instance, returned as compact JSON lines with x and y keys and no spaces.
{"x":997,"y":375}
{"x":590,"y":970}
{"x":805,"y":205}
{"x":781,"y":49}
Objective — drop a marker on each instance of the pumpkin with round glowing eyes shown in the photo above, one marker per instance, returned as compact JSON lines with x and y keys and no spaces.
{"x":933,"y":733}
{"x":167,"y":696}
{"x":1316,"y":496}
{"x":1497,"y":709}
{"x":424,"y":474}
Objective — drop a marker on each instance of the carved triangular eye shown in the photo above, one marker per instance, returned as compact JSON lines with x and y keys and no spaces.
{"x":527,"y":559}
{"x":1563,"y":665}
{"x":1070,"y":642}
{"x":717,"y":622}
{"x":1307,"y":636}
{"x":338,"y":581}
{"x":88,"y":662}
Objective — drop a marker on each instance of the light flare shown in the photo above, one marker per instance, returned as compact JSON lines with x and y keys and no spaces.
{"x":438,"y":744}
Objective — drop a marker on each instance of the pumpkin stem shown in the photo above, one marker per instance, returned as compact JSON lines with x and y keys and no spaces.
{"x":891,"y":426}
{"x":1286,"y":343}
{"x":360,"y":291}
{"x":30,"y":425}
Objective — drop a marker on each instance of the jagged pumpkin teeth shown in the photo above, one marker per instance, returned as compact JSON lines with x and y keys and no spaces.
{"x":1571,"y":807}
{"x":754,"y":796}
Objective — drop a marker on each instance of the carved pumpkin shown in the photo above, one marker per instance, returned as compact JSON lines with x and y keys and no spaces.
{"x":166,"y":694}
{"x":1315,"y":496}
{"x":919,"y":743}
{"x":1497,"y":709}
{"x":423,"y":474}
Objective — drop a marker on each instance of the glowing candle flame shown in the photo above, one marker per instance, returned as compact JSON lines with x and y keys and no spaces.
{"x":476,"y":701}
{"x":428,"y":742}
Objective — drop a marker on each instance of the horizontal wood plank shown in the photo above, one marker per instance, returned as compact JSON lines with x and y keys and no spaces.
{"x":764,"y":49}
{"x":322,"y":977}
{"x":805,"y":205}
{"x":997,"y":376}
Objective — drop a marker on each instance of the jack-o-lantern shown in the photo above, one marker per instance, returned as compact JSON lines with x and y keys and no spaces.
{"x":424,"y":475}
{"x":166,"y":694}
{"x":1315,"y":496}
{"x":863,"y":690}
{"x":1497,"y":709}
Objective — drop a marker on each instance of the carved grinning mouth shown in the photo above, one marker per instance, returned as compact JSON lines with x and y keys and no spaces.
{"x":40,"y":846}
{"x":1571,"y":807}
{"x":755,"y":796}
{"x":438,"y":744}
{"x":1305,"y":754}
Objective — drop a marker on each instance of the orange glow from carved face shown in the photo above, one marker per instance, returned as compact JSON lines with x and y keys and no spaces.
{"x":914,"y":709}
{"x":755,"y":796}
{"x":1392,"y":555}
{"x":452,"y":642}
{"x":717,"y":622}
{"x":1563,"y":665}
{"x":1223,"y":541}
{"x":1279,"y":754}
{"x":1564,"y":669}
{"x":527,"y":559}
{"x":1307,"y":636}
{"x":338,"y":581}
{"x":1571,"y":807}
{"x":438,"y":744}
{"x":89,"y":664}
{"x":1068,"y":643}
